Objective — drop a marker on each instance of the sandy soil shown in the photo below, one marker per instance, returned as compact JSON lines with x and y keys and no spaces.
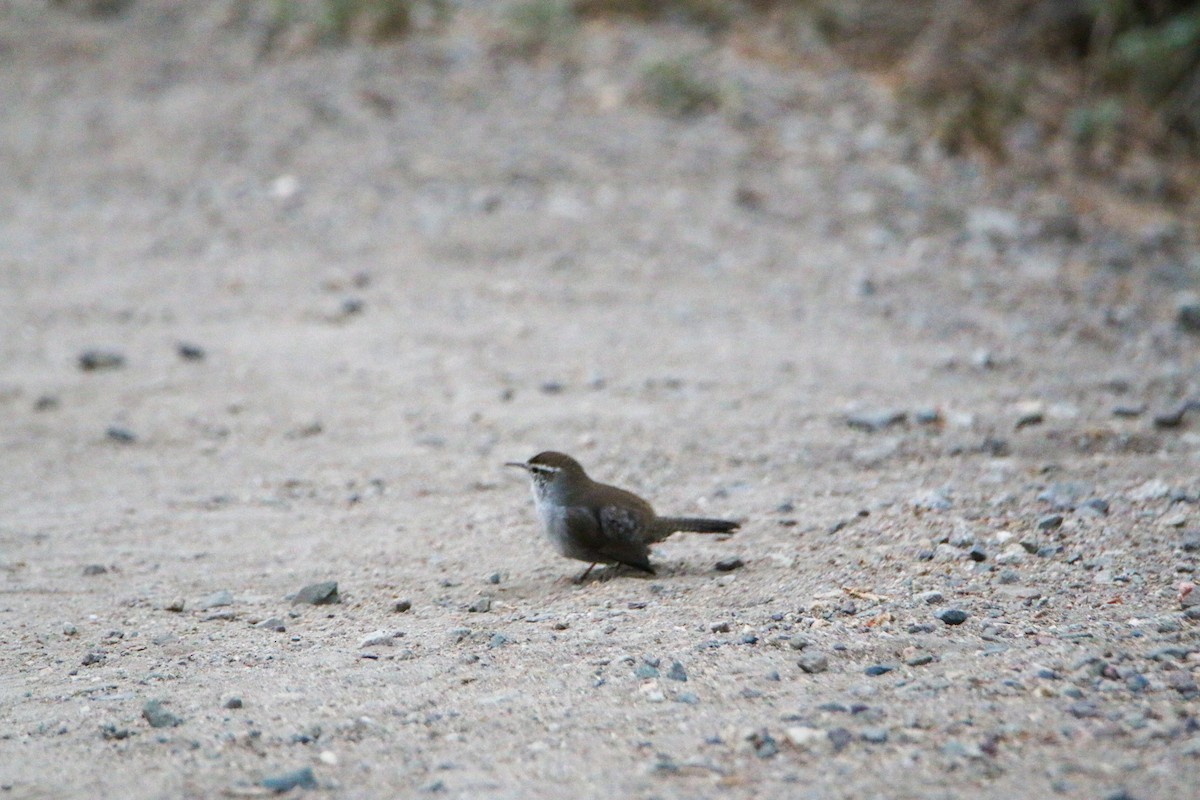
{"x":410,"y":263}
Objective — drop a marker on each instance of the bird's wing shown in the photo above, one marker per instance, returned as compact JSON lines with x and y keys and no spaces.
{"x":610,"y":535}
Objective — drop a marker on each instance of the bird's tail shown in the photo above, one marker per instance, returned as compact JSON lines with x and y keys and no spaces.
{"x":668,"y":525}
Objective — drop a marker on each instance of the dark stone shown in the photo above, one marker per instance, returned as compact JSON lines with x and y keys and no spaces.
{"x":95,"y":569}
{"x":318,"y":594}
{"x":92,"y":360}
{"x":400,"y":606}
{"x":840,"y":738}
{"x":729,"y":564}
{"x":286,"y":781}
{"x":764,"y":744}
{"x":93,"y":657}
{"x":874,"y":735}
{"x":233,"y":702}
{"x":46,"y":402}
{"x":1050,"y":523}
{"x":113,"y":733}
{"x":190,"y":352}
{"x":879,"y":669}
{"x":645,"y":671}
{"x":1189,"y":317}
{"x":977,"y":553}
{"x":158,"y":717}
{"x":480,"y":605}
{"x":120,"y":435}
{"x":1129,"y":411}
{"x":272,"y":624}
{"x":677,"y":672}
{"x":953,"y":616}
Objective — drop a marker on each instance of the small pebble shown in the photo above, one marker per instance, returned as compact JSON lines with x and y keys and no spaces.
{"x":840,"y":738}
{"x":873,"y":421}
{"x":92,"y":360}
{"x":645,"y":671}
{"x":215,"y":600}
{"x":952,"y":616}
{"x":318,"y":594}
{"x":93,"y":657}
{"x":1050,"y":522}
{"x":480,"y":605}
{"x":977,"y":554}
{"x":813,"y":662}
{"x":286,"y":781}
{"x":46,"y":402}
{"x":69,"y":630}
{"x":719,"y":627}
{"x":119,"y":434}
{"x":158,"y":717}
{"x":400,"y":606}
{"x":497,"y":640}
{"x":190,"y":352}
{"x":494,"y":578}
{"x":176,"y":605}
{"x":879,"y":669}
{"x":677,"y":672}
{"x":874,"y":735}
{"x":233,"y":702}
{"x":688,"y":698}
{"x":272,"y":624}
{"x":378,"y":639}
{"x":764,"y":744}
{"x":95,"y":569}
{"x":729,"y":564}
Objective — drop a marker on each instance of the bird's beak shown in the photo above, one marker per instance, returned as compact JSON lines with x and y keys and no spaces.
{"x":520,"y":464}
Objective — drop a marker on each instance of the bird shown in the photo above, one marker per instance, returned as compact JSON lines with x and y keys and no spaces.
{"x":597,"y":523}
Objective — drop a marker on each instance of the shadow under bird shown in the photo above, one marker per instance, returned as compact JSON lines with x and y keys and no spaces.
{"x":598,"y":523}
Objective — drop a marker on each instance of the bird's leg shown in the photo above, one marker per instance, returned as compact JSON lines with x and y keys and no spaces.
{"x":586,"y":572}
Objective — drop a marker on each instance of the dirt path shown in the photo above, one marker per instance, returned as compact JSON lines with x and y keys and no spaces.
{"x":408,"y":264}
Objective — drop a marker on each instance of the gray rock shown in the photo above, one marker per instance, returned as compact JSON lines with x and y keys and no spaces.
{"x":95,"y":360}
{"x":840,"y":738}
{"x":1064,"y":496}
{"x":874,"y":735}
{"x":688,"y":698}
{"x":232,"y":703}
{"x":872,"y":421}
{"x":953,"y":616}
{"x":272,"y":624}
{"x":158,"y":717}
{"x":120,"y":434}
{"x":1050,"y":522}
{"x":480,"y":605}
{"x":190,"y":352}
{"x":95,"y":569}
{"x":1188,"y":317}
{"x":813,"y":662}
{"x":677,"y":672}
{"x":977,"y":554}
{"x":645,"y":671}
{"x":402,"y":605}
{"x":378,"y":639}
{"x":498,"y":640}
{"x":876,"y":670}
{"x":729,"y":564}
{"x":318,"y":594}
{"x":224,"y":597}
{"x":176,"y":605}
{"x":932,"y":598}
{"x":933,"y":500}
{"x":286,"y":781}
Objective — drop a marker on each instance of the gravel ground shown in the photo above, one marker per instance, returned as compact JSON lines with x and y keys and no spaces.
{"x":272,"y":322}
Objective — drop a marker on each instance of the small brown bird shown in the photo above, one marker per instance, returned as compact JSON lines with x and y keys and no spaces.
{"x":597,"y":523}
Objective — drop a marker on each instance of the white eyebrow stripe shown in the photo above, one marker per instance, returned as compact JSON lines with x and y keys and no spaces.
{"x":544,"y":468}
